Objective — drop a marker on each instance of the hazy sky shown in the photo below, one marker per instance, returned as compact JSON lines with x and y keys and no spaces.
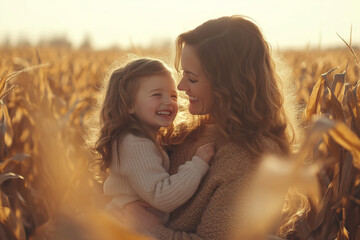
{"x":285,"y":23}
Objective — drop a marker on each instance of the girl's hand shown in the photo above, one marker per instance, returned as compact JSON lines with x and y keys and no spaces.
{"x":206,"y":152}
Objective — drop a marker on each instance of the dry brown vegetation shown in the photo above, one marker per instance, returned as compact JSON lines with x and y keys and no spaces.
{"x":46,"y":191}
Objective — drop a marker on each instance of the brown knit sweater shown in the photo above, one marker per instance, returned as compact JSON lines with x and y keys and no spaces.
{"x":210,"y":213}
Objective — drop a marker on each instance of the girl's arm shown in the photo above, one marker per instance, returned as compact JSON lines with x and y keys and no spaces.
{"x":151,"y":181}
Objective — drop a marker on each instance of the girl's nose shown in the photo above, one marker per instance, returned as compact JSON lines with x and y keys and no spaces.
{"x":167,"y":100}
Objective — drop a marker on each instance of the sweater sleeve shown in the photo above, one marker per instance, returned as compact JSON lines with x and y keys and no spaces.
{"x":151,"y":181}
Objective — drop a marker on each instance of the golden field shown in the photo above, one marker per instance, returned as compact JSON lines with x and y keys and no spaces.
{"x":47,"y":94}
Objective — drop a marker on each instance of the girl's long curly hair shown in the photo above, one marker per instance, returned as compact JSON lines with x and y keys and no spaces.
{"x":116,"y":97}
{"x":249,"y":102}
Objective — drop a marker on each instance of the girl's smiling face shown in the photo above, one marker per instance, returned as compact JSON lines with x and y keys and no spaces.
{"x":195,"y":83}
{"x":155,"y":103}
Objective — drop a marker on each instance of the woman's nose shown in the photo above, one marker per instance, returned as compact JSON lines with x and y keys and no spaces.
{"x":182,"y":85}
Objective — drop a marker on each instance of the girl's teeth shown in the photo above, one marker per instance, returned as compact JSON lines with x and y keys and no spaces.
{"x":164,"y":113}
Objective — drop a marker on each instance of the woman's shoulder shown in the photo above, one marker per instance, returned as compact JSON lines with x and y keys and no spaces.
{"x":233,"y":159}
{"x":237,"y":149}
{"x":233,"y":151}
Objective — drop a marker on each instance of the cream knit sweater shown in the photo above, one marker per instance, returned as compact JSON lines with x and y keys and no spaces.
{"x":138,"y":171}
{"x":210,"y":213}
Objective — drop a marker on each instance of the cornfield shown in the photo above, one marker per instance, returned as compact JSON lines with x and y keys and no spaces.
{"x":47,"y":94}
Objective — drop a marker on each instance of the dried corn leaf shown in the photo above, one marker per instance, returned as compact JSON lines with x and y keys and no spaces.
{"x":332,"y":146}
{"x":9,"y":175}
{"x":346,"y":176}
{"x":348,"y":140}
{"x":336,"y":180}
{"x":352,"y":102}
{"x":13,"y":75}
{"x":343,"y":234}
{"x":303,"y":230}
{"x":351,"y":50}
{"x":336,"y":109}
{"x":3,"y":233}
{"x":331,"y":104}
{"x":13,"y":225}
{"x":328,"y":196}
{"x":338,"y":86}
{"x":3,"y":83}
{"x":9,"y":130}
{"x":357,"y":90}
{"x":357,"y":234}
{"x":314,"y":133}
{"x":2,"y":138}
{"x":315,"y":99}
{"x":9,"y":90}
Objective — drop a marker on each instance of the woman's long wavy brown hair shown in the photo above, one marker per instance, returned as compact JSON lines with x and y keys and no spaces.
{"x":119,"y":92}
{"x":249,"y":102}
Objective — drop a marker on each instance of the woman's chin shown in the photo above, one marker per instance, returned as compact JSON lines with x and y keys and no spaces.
{"x":196,"y":110}
{"x":193,"y":112}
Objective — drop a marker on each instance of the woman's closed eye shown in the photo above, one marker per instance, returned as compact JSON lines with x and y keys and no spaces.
{"x":192,"y":80}
{"x":186,"y":75}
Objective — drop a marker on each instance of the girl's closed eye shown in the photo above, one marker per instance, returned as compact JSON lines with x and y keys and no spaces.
{"x":157,"y":95}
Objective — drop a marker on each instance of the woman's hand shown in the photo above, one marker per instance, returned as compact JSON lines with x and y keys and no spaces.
{"x":139,"y":217}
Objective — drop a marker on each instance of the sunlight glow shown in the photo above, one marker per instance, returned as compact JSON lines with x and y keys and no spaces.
{"x":124,"y":23}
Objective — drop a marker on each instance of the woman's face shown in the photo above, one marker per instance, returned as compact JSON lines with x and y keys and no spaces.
{"x":195,"y":83}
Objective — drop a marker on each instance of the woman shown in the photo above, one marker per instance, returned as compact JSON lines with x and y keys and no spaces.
{"x":230,"y":80}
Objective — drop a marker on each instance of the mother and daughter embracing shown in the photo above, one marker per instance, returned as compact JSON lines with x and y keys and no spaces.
{"x":185,"y":180}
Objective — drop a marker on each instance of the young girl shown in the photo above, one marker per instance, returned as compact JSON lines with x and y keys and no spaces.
{"x":141,"y":98}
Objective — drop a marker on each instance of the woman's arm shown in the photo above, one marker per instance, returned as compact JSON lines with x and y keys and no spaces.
{"x":217,"y":219}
